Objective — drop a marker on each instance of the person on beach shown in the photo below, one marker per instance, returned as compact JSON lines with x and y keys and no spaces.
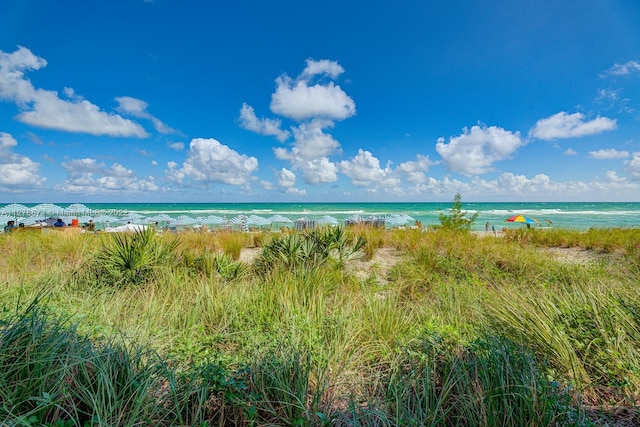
{"x":10,"y":226}
{"x":91,"y":226}
{"x":486,"y":226}
{"x":59,"y":223}
{"x":493,"y":228}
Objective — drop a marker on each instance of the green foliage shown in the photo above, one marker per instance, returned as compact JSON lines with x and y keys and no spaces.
{"x":456,"y":219}
{"x":133,"y":258}
{"x":311,"y":249}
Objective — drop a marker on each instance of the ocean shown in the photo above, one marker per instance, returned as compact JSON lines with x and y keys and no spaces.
{"x":574,"y":215}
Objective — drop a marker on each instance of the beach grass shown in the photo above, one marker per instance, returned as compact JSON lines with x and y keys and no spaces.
{"x":458,"y":329}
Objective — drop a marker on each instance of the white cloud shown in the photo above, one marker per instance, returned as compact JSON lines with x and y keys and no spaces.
{"x":324,"y":66}
{"x":301,"y":100}
{"x":607,"y":154}
{"x":178,"y":146}
{"x":364,"y":170}
{"x":310,"y":152}
{"x":286,"y":178}
{"x":249,"y":121}
{"x":416,"y":170}
{"x":312,"y":142}
{"x":138,"y":108}
{"x":87,"y":176}
{"x":43,"y":108}
{"x":570,"y":152}
{"x":209,"y":161}
{"x":17,"y":172}
{"x":624,"y":69}
{"x":475,"y":151}
{"x":633,"y":165}
{"x":612,"y":176}
{"x":565,"y":125}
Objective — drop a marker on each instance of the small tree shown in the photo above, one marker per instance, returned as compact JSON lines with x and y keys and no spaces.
{"x":456,"y":219}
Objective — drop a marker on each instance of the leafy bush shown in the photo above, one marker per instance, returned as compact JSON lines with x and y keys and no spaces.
{"x":132,"y":258}
{"x":457,"y":219}
{"x":310,"y":249}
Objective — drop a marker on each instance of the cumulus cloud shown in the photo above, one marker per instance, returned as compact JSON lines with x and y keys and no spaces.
{"x":287,"y":181}
{"x":286,"y":178}
{"x":322,"y":67}
{"x":608,"y":154}
{"x":87,"y":176}
{"x":624,"y":69}
{"x":209,"y":161}
{"x":475,"y":150}
{"x":45,"y":109}
{"x":416,"y":170}
{"x":570,"y":152}
{"x":300,"y":99}
{"x":633,"y":165}
{"x":178,"y":146}
{"x":138,"y":108}
{"x":17,"y":172}
{"x":249,"y":121}
{"x":564,"y":125}
{"x":612,"y":176}
{"x":364,"y":170}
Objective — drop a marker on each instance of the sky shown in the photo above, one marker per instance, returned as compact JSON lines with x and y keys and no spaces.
{"x":333,"y":101}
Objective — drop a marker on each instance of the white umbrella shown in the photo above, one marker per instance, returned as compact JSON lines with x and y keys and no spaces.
{"x":281,"y":219}
{"x":183,"y":220}
{"x":214,"y":219}
{"x":14,"y":209}
{"x":132,"y":216}
{"x":258,"y":221}
{"x":159,"y":218}
{"x":47,"y":210}
{"x":327,"y":220}
{"x":77,"y":209}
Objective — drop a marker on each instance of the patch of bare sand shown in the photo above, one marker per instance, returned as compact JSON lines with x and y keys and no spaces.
{"x":383,"y":260}
{"x":578,"y":255}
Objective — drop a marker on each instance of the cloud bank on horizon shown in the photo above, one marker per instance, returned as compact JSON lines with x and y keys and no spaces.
{"x":308,"y":137}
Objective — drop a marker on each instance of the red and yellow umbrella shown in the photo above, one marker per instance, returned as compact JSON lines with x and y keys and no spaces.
{"x":522,"y":219}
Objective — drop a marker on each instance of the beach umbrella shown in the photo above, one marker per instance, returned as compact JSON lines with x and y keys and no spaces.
{"x":132,"y":216}
{"x":280,"y":219}
{"x":159,"y":218}
{"x":521,"y":219}
{"x":327,"y":220}
{"x":14,"y":209}
{"x":258,"y":221}
{"x":395,"y":220}
{"x":183,"y":220}
{"x":47,"y":210}
{"x":77,"y":209}
{"x":105,"y":219}
{"x":214,"y":220}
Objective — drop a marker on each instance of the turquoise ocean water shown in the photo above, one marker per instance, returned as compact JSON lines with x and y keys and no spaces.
{"x":574,"y":215}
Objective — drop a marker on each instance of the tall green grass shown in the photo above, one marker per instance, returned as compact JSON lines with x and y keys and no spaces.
{"x":464,"y":330}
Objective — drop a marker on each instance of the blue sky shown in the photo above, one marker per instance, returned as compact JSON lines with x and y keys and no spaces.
{"x":134,"y":100}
